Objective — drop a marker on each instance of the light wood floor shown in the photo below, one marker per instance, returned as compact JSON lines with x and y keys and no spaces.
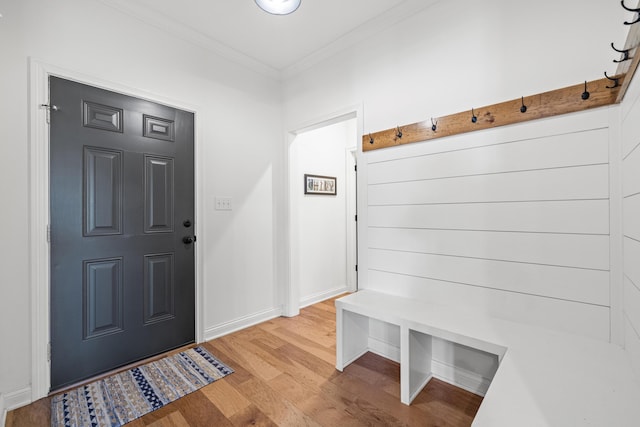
{"x":285,"y":375}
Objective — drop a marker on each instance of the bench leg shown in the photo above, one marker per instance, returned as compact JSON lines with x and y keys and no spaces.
{"x":352,"y":337}
{"x":415,"y":366}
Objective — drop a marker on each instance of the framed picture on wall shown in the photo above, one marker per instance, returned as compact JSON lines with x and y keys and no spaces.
{"x":318,"y":184}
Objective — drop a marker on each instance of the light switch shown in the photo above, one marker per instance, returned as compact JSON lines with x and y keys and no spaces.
{"x":224,"y":204}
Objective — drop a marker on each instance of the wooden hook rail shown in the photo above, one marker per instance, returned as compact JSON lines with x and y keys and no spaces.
{"x":547,"y":104}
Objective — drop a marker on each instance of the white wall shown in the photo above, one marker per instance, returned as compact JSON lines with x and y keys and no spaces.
{"x":239,"y":116}
{"x":319,"y":252}
{"x":631,"y":220}
{"x":459,"y":54}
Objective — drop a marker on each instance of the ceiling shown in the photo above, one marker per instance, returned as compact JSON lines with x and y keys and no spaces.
{"x":241,"y":31}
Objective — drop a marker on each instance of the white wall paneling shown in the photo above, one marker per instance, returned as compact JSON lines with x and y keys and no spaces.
{"x":572,"y":183}
{"x":616,"y":272}
{"x":631,"y":126}
{"x":632,"y":260}
{"x":631,"y":221}
{"x":632,"y":344}
{"x":576,"y":139}
{"x":500,"y":222}
{"x":567,"y":316}
{"x":590,"y":251}
{"x":630,"y":215}
{"x":631,"y":172}
{"x":582,"y":216}
{"x":572,"y":284}
{"x":631,"y":302}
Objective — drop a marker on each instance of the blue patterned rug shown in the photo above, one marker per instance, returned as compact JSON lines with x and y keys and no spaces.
{"x":118,"y":399}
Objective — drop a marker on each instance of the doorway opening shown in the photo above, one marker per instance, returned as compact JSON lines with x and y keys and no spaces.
{"x":323,"y":227}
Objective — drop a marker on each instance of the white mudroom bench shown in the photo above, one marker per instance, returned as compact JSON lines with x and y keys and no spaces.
{"x":544,"y":378}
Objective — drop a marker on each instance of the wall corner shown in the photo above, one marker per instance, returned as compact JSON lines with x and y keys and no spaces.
{"x":615,"y":227}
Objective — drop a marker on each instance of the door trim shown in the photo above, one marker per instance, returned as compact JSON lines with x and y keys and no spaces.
{"x":351,"y":165}
{"x":39,"y":255}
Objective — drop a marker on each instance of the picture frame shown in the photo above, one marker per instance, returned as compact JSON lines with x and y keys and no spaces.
{"x":320,"y":185}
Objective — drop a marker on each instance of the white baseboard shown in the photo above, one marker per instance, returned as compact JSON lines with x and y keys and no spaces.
{"x":384,"y":349}
{"x":420,"y":388}
{"x":14,"y":400}
{"x":3,"y":411}
{"x":241,"y":323}
{"x":381,"y":348}
{"x":353,"y":359}
{"x":461,"y":378}
{"x":322,"y":296}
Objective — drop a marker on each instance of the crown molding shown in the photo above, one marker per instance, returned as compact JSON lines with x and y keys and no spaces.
{"x":365,"y":31}
{"x":186,"y":33}
{"x":370,"y":28}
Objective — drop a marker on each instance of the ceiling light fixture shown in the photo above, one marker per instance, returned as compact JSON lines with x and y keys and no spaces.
{"x":279,"y":7}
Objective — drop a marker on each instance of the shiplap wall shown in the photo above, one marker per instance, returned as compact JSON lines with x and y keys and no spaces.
{"x":512,"y":222}
{"x":631,"y":220}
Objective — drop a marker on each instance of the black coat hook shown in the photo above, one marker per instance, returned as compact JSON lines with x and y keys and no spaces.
{"x":631,"y":10}
{"x":523,"y":109}
{"x":624,"y":52}
{"x":615,"y":80}
{"x":585,"y":94}
{"x":474,"y":119}
{"x":399,"y":132}
{"x":370,"y":139}
{"x":434,"y":124}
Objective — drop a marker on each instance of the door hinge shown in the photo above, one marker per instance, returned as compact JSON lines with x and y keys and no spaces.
{"x":48,"y":233}
{"x":356,"y":267}
{"x":356,"y":218}
{"x":49,"y":108}
{"x":48,"y":352}
{"x":355,"y":168}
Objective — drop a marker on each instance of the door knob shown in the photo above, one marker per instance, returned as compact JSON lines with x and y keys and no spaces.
{"x":187,"y":240}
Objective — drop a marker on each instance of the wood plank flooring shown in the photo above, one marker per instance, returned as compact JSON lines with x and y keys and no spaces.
{"x":285,"y":375}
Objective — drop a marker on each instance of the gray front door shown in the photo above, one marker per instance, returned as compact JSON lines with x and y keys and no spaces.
{"x":122,"y":227}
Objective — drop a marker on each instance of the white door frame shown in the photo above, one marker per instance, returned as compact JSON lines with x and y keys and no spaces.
{"x":351,"y":161}
{"x":291,"y":289}
{"x":39,"y":256}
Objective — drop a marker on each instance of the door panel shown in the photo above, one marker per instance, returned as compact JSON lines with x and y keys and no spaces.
{"x":103,"y":191}
{"x":102,"y":309}
{"x":158,"y":288}
{"x":158,"y":195}
{"x":122,"y":280}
